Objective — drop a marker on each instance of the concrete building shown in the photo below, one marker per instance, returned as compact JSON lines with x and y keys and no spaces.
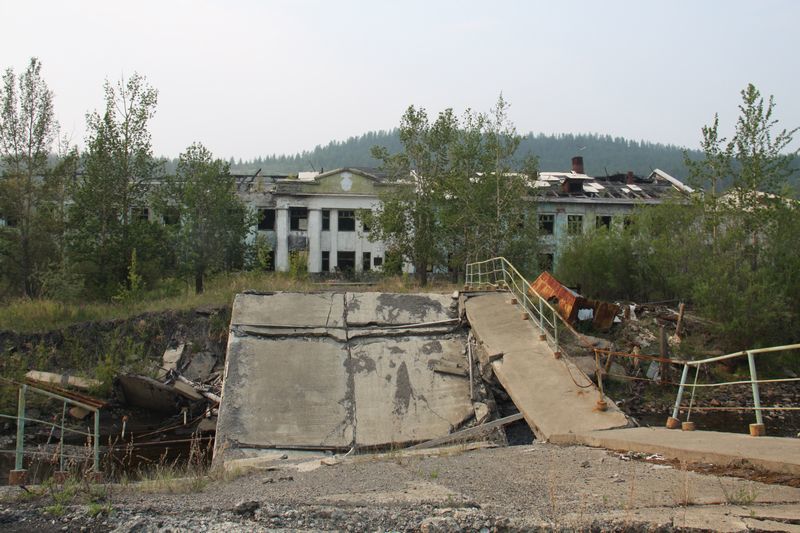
{"x":572,"y":203}
{"x":315,"y":216}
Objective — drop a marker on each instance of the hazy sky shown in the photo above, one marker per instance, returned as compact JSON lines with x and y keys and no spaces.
{"x":251,"y":78}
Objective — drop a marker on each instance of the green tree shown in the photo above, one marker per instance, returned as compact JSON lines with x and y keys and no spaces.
{"x":408,"y":219}
{"x":107,"y":220}
{"x":27,"y":130}
{"x":213,"y":220}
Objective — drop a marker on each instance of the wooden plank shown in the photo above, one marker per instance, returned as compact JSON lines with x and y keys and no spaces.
{"x":469,"y":432}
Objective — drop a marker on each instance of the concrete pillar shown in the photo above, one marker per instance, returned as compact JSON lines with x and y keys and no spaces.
{"x":314,"y":240}
{"x":282,"y":243}
{"x":359,"y":246}
{"x":334,"y":262}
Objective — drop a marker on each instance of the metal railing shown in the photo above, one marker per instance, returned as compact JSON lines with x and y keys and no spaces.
{"x":21,"y":419}
{"x":753,"y":382}
{"x":499,"y":273}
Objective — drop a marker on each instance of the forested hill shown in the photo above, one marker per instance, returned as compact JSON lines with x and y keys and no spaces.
{"x":602,"y":154}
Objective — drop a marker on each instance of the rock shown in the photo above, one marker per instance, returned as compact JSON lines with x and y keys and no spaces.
{"x":246,"y":507}
{"x":481,"y":412}
{"x":439,"y":524}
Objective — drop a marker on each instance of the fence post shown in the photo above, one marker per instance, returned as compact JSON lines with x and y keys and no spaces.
{"x":758,"y":428}
{"x":61,"y":440}
{"x":97,"y":443}
{"x":673,"y":422}
{"x":18,"y":475}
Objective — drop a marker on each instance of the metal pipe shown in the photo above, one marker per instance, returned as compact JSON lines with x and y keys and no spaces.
{"x":20,"y":428}
{"x":691,"y":398}
{"x":61,"y":440}
{"x":684,"y":374}
{"x":96,"y":442}
{"x":754,"y":377}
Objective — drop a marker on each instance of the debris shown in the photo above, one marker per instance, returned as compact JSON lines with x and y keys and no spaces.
{"x":142,"y":391}
{"x":170,"y":359}
{"x":79,"y":412}
{"x":64,"y":380}
{"x":200,"y":367}
{"x":481,"y":412}
{"x":447,"y":367}
{"x":571,"y":305}
{"x":187,"y":390}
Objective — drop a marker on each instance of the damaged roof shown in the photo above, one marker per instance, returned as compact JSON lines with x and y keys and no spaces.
{"x":629,"y":187}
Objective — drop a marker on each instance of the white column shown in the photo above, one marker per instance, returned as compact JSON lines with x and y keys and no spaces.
{"x":314,"y":240}
{"x":282,"y":234}
{"x":359,"y":248}
{"x":334,"y":223}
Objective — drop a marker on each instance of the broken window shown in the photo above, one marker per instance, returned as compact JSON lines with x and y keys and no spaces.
{"x":364,"y":226}
{"x":574,"y":224}
{"x":546,"y":262}
{"x":346,"y":261}
{"x":377,"y":261}
{"x":298,"y":219}
{"x":547,"y":224}
{"x":366,"y":261}
{"x":326,"y":261}
{"x":266,"y":219}
{"x":326,"y":220}
{"x":347,"y":220}
{"x":140,"y":213}
{"x":171,"y":216}
{"x":627,"y":221}
{"x":603,"y":221}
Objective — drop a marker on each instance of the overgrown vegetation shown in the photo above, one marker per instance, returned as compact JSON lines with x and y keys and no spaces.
{"x":730,"y":252}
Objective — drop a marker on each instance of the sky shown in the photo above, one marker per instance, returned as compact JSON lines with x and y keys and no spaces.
{"x":251,"y":78}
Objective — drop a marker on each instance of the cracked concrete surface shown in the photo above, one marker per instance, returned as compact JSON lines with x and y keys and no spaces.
{"x":335,"y":370}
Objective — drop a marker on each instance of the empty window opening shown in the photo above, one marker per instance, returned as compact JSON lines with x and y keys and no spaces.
{"x":377,"y":261}
{"x":347,"y":220}
{"x":603,"y":221}
{"x":326,"y":220}
{"x":574,"y":224}
{"x":346,"y":261}
{"x":547,"y":224}
{"x":140,"y":213}
{"x":298,"y":219}
{"x":326,"y":261}
{"x":171,"y":216}
{"x":266,"y":219}
{"x":366,"y":261}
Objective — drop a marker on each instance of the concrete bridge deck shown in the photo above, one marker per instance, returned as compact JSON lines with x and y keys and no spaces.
{"x":558,"y":409}
{"x":553,"y":395}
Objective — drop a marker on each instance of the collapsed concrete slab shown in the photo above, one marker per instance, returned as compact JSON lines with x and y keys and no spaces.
{"x":338,"y":370}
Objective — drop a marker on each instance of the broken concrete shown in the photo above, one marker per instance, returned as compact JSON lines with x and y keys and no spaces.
{"x":64,"y":380}
{"x":341,"y":370}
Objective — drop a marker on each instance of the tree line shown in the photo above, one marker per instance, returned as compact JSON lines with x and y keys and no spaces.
{"x":603,"y":154}
{"x":108,"y":222}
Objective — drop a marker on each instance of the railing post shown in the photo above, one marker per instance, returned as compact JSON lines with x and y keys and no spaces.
{"x":61,"y":440}
{"x":20,"y":451}
{"x":673,"y":422}
{"x":97,"y":443}
{"x":756,"y":429}
{"x":541,"y":315}
{"x":555,"y":330}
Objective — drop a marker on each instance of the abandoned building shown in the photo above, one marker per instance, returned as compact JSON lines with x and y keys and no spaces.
{"x":314,"y":216}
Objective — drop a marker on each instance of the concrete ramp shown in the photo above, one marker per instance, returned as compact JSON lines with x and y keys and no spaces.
{"x":553,"y":395}
{"x":336,"y":370}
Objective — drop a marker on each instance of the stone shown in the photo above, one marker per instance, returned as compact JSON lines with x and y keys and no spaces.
{"x":246,"y":507}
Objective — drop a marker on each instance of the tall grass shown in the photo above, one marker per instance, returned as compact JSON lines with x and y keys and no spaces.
{"x":37,"y":315}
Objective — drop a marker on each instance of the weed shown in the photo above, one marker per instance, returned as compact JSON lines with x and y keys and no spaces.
{"x":95,"y":509}
{"x":57,"y":509}
{"x":740,"y":494}
{"x":683,"y":493}
{"x":434,"y":474}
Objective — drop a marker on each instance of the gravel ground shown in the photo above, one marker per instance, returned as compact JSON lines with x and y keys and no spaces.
{"x":496,"y":489}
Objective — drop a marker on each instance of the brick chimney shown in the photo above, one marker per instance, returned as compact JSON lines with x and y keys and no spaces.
{"x":577,"y":164}
{"x":629,"y":179}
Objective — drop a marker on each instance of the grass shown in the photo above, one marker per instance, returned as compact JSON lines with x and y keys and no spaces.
{"x":35,"y":315}
{"x":740,"y":494}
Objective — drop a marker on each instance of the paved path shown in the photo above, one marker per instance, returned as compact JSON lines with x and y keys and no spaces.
{"x":773,"y":454}
{"x":543,"y":388}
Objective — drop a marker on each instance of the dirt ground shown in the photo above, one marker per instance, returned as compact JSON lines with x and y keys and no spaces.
{"x":538,"y":486}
